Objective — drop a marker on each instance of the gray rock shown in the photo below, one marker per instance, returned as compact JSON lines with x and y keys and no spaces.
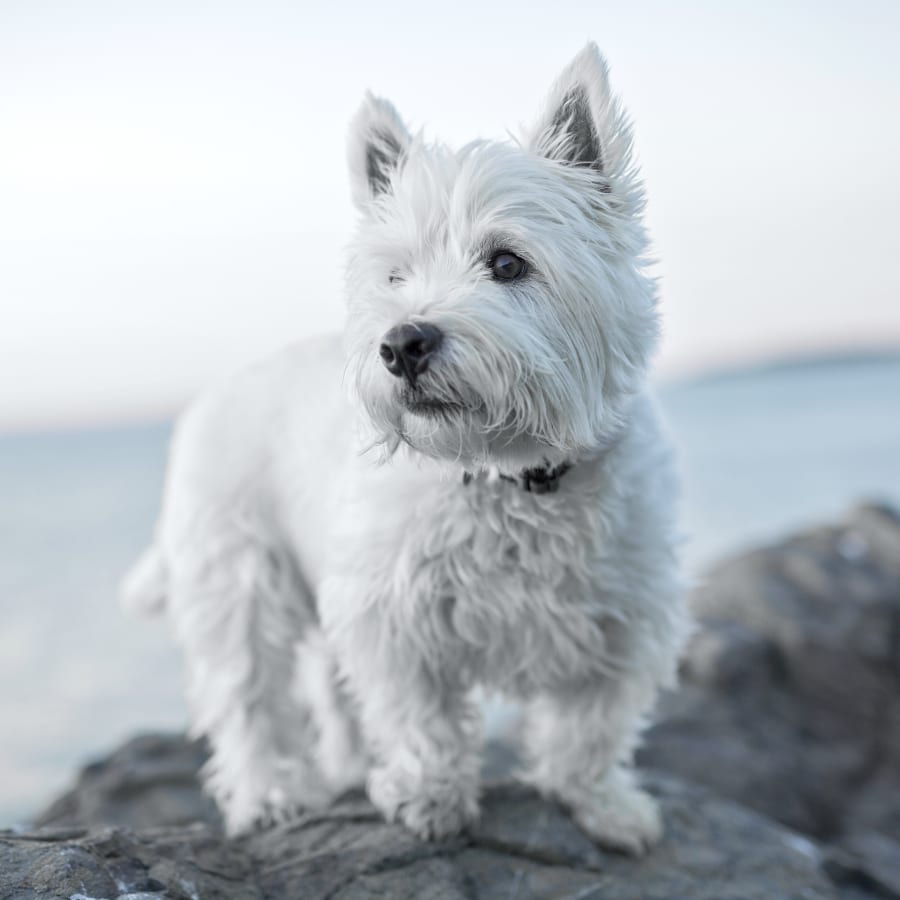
{"x":790,"y":701}
{"x":150,"y":781}
{"x":524,"y":847}
{"x":868,"y":864}
{"x":790,"y":706}
{"x":183,"y":863}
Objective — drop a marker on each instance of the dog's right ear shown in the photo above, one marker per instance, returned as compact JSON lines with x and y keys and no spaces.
{"x":582,"y":124}
{"x":377,"y":146}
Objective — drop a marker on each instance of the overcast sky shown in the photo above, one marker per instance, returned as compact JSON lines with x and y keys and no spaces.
{"x":173,"y":199}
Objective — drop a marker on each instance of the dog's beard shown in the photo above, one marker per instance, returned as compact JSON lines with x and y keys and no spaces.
{"x":435,"y":418}
{"x":419,"y":401}
{"x":447,"y":417}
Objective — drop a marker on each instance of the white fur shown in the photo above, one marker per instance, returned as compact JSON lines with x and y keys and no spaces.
{"x":337,"y":607}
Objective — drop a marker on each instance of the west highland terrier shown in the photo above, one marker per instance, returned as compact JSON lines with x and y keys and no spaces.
{"x":337,"y":605}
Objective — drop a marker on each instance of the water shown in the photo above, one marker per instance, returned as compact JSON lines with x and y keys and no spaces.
{"x":768,"y":451}
{"x":763,"y":452}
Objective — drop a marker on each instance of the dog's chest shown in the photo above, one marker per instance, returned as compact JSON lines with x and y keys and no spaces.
{"x":514,"y":600}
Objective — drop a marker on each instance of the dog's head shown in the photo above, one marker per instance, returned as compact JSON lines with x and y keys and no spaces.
{"x":500,"y":312}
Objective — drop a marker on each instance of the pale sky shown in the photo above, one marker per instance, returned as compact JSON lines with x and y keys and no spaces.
{"x":174,"y":202}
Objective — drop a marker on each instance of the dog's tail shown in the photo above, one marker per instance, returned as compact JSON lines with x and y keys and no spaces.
{"x":145,"y":587}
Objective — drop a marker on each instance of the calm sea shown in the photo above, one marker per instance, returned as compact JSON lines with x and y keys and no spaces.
{"x":763,"y":452}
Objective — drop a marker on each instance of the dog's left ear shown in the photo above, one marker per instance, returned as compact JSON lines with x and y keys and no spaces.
{"x":377,"y":145}
{"x":581,"y":123}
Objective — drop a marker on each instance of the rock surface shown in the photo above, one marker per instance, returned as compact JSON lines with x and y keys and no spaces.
{"x":149,"y":781}
{"x":790,"y":707}
{"x":790,"y":699}
{"x":524,"y":847}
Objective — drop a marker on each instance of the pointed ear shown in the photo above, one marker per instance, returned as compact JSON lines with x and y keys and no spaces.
{"x":377,"y":144}
{"x":581,"y":123}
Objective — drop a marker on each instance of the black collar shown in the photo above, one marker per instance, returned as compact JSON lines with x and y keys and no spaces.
{"x":539,"y":480}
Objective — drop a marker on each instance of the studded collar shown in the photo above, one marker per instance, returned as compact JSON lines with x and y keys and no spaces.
{"x":538,"y":480}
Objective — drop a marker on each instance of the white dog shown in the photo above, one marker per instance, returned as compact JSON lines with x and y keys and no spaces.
{"x":338,"y":605}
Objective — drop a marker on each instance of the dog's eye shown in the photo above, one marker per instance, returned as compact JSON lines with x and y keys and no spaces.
{"x":507,"y":266}
{"x":395,"y":277}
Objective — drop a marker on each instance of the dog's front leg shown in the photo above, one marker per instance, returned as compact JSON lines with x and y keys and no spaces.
{"x":421,"y":729}
{"x":579,"y":743}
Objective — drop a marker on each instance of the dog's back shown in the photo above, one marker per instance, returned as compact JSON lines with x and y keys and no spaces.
{"x":280,"y":422}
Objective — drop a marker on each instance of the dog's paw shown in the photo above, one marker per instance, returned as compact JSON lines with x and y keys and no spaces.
{"x":246,"y":812}
{"x":620,"y":817}
{"x":433,"y":818}
{"x":432,"y":809}
{"x":271,"y":816}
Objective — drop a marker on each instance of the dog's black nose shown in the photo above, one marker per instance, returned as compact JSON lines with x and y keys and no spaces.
{"x":407,"y":349}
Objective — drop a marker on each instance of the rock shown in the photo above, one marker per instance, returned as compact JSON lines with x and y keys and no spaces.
{"x":151,"y":780}
{"x":523,"y":847}
{"x":867,"y":864}
{"x":183,"y":863}
{"x":790,"y":706}
{"x":791,"y":689}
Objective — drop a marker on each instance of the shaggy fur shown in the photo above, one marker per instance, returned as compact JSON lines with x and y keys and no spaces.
{"x":343,"y":572}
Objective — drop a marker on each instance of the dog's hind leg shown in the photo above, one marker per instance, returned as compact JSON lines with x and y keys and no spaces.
{"x":239,"y":607}
{"x":340,"y":754}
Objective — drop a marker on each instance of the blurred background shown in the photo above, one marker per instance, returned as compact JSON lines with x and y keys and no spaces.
{"x":174,"y":204}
